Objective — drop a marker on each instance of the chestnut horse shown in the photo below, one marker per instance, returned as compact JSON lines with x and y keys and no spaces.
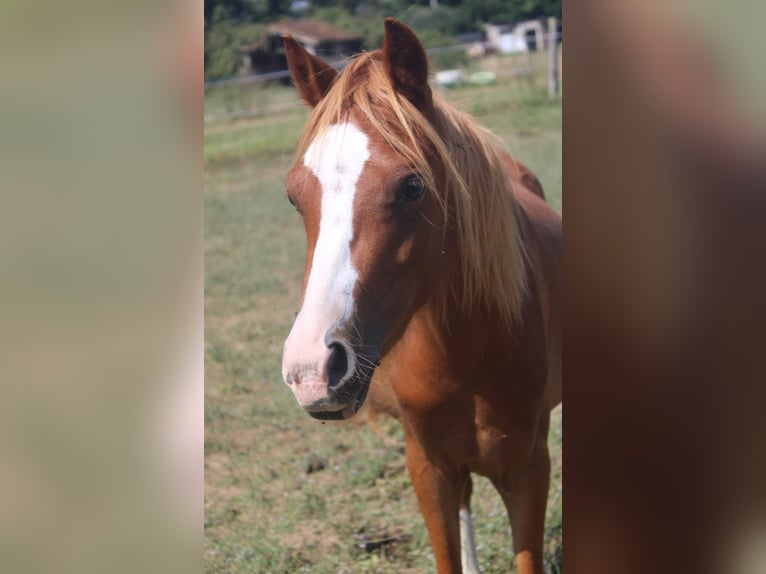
{"x":433,"y":274}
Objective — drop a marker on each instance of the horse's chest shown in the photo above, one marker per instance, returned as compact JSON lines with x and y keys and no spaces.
{"x":462,"y":432}
{"x":490,"y":440}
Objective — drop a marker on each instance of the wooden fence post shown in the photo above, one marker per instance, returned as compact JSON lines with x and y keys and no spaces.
{"x":553,"y":60}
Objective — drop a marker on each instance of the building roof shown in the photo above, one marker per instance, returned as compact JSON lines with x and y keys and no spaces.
{"x":314,"y":31}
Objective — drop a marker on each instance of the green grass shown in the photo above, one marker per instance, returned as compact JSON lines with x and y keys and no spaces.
{"x":263,"y":511}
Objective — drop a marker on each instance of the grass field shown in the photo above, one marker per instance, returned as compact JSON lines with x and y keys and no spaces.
{"x":283,"y":492}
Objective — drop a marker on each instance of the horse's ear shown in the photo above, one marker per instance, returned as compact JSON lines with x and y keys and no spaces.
{"x":406,"y":63}
{"x":311,"y":75}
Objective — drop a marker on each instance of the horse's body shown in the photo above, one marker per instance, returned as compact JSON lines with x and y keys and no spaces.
{"x":490,"y":421}
{"x":409,"y":298}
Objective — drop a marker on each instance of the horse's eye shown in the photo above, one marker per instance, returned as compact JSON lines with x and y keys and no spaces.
{"x":411,"y":189}
{"x":290,"y":199}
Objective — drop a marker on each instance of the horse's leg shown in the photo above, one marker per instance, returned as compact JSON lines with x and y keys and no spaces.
{"x":525,"y":498}
{"x":467,"y":542}
{"x":439,"y":498}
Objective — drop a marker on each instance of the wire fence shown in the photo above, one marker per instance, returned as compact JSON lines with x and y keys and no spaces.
{"x":270,"y":93}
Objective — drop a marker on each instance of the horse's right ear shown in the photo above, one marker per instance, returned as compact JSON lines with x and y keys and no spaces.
{"x":406,"y":63}
{"x":312,"y":76}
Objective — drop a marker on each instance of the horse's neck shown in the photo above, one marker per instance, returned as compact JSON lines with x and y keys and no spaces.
{"x":473,"y":347}
{"x":469,"y":333}
{"x":481,"y":332}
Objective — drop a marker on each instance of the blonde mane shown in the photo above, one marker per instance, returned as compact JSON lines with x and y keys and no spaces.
{"x":462,"y":165}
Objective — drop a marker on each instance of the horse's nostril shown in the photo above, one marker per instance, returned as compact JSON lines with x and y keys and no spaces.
{"x":337,"y":366}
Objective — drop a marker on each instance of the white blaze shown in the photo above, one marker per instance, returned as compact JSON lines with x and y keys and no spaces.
{"x":337,"y":159}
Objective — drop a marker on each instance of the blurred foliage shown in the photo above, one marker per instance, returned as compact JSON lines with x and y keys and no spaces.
{"x":231,"y":23}
{"x":222,"y":42}
{"x":477,"y":12}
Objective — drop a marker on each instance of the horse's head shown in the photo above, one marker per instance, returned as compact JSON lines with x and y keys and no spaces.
{"x":376,"y":235}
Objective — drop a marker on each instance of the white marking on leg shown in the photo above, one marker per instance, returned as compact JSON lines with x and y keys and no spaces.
{"x":337,"y":159}
{"x":467,"y":543}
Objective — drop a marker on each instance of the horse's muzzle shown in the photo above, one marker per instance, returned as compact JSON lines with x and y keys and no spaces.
{"x":326,"y":377}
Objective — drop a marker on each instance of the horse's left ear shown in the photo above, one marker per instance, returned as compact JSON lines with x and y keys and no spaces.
{"x":406,"y":64}
{"x":311,"y":75}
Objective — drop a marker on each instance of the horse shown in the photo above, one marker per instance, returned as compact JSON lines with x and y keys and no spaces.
{"x":432,"y":284}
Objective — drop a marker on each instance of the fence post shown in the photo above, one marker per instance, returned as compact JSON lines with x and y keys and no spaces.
{"x":553,"y":60}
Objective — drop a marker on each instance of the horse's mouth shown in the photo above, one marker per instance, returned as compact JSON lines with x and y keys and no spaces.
{"x":355,"y":390}
{"x":341,"y":415}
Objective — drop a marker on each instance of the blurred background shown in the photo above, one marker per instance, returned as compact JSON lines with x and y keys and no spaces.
{"x":101,"y":289}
